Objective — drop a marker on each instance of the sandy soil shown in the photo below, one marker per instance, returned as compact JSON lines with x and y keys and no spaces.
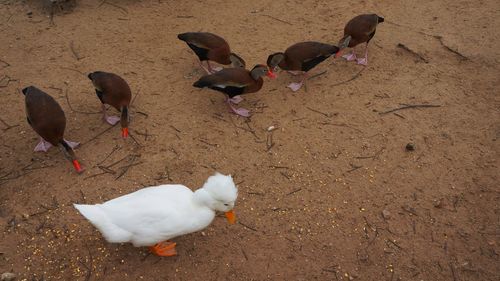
{"x":336,"y":197}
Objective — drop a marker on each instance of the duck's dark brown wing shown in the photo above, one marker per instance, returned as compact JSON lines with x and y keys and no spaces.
{"x":44,"y":115}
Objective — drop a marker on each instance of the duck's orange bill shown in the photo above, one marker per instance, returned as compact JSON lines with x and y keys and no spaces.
{"x":77,"y":166}
{"x":231,"y":217}
{"x":271,"y":74}
{"x":124,"y":132}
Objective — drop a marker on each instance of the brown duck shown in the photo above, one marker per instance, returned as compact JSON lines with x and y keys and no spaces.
{"x":210,"y":47}
{"x":113,"y":90}
{"x":234,"y":82}
{"x":47,"y":118}
{"x":358,"y":30}
{"x":301,"y":57}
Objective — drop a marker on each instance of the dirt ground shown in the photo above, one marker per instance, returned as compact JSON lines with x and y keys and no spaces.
{"x":332,"y":194}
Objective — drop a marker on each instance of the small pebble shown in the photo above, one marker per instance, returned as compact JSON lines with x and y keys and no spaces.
{"x":386,"y":214}
{"x":410,"y":146}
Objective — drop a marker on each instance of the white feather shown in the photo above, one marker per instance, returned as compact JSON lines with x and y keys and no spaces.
{"x":155,"y":214}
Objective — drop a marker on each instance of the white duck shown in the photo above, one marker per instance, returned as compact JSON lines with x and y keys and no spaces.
{"x":155,"y":214}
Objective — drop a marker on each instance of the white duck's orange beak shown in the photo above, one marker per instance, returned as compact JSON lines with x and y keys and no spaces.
{"x":231,"y":217}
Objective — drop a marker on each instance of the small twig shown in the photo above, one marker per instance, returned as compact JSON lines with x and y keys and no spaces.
{"x":285,"y":175}
{"x":453,"y":272}
{"x":95,"y":137}
{"x":7,"y":125}
{"x":440,"y":38}
{"x":317,"y":75}
{"x":269,"y":141}
{"x":244,"y":254}
{"x":136,"y":94}
{"x":177,"y":130}
{"x":185,"y":17}
{"x":114,"y":5}
{"x":399,"y":115}
{"x":279,"y":167}
{"x":134,"y":139}
{"x":206,"y":142}
{"x":7,"y":79}
{"x":5,"y":64}
{"x":406,"y":106}
{"x":106,"y":169}
{"x":75,"y":54}
{"x":251,"y":228}
{"x":71,"y":107}
{"x":354,"y":168}
{"x":317,"y":111}
{"x":275,"y":18}
{"x":95,"y":175}
{"x":352,"y":78}
{"x":295,"y":191}
{"x":394,"y":243}
{"x":404,"y":47}
{"x":372,"y":157}
{"x":115,"y":148}
{"x":126,"y":168}
{"x":409,"y":210}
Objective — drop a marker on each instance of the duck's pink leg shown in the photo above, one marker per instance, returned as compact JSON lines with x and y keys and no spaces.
{"x":236,"y":99}
{"x":364,"y":61}
{"x":213,"y":69}
{"x":72,"y":144}
{"x":240,"y":111}
{"x":43,"y":145}
{"x":350,"y":57}
{"x":296,"y":86}
{"x":204,"y":68}
{"x":110,"y":119}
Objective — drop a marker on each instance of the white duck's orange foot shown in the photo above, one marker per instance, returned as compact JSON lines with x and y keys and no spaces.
{"x":164,"y":249}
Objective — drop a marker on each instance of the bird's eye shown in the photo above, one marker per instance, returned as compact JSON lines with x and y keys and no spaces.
{"x":226,"y":204}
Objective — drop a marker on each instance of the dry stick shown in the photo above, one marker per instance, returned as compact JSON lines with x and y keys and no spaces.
{"x":95,"y":175}
{"x":440,"y":38}
{"x":406,"y":106}
{"x":404,"y":47}
{"x":354,"y":168}
{"x":251,"y":228}
{"x":177,"y":130}
{"x":71,"y":107}
{"x":317,"y":111}
{"x":372,"y":157}
{"x":6,"y":64}
{"x":112,"y":151}
{"x":185,"y":17}
{"x":274,"y":18}
{"x":206,"y":142}
{"x":75,"y":54}
{"x":8,"y":81}
{"x":114,"y":5}
{"x":347,"y":81}
{"x":7,"y":125}
{"x":132,"y":102}
{"x":126,"y":167}
{"x":317,"y":75}
{"x":133,"y":138}
{"x":98,"y":135}
{"x":295,"y":191}
{"x":340,"y":125}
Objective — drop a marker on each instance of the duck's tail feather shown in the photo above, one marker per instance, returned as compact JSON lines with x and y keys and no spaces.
{"x":111,"y":232}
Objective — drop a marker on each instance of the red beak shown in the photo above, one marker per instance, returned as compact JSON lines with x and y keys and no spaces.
{"x":77,"y":166}
{"x":338,"y":54}
{"x":124,"y":132}
{"x":271,"y":74}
